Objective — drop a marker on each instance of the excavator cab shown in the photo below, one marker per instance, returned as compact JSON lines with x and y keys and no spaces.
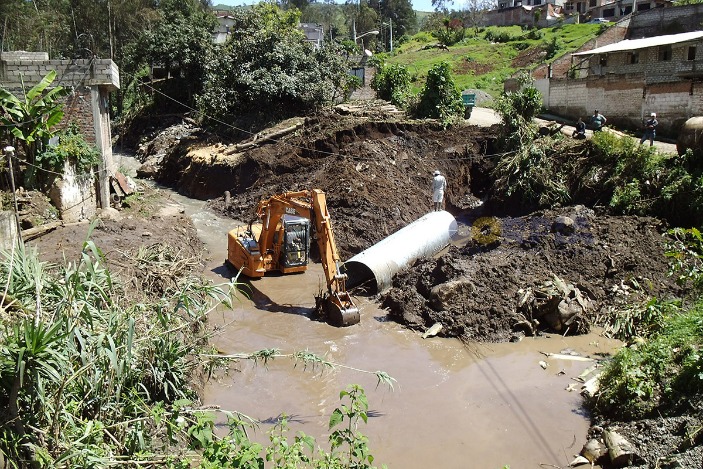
{"x":281,"y":242}
{"x":295,"y":250}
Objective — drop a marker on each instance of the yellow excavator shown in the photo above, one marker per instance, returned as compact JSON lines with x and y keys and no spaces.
{"x":281,"y":242}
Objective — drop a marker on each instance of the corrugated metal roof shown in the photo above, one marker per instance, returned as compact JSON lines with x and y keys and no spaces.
{"x":633,"y":44}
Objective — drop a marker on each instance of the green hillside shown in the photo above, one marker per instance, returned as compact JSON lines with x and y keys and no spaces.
{"x":485,"y":60}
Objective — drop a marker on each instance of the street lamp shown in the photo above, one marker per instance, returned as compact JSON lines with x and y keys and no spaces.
{"x":373,"y":33}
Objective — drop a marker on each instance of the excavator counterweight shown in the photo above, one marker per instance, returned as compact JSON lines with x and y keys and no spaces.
{"x":281,"y":242}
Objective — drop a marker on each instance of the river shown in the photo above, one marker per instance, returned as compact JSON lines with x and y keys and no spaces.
{"x":451,"y":406}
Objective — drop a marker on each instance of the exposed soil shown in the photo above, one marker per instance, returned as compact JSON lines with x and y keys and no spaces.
{"x":609,"y":259}
{"x":148,"y":221}
{"x":529,"y":56}
{"x":376,"y":171}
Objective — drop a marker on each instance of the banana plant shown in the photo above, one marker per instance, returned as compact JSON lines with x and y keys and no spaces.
{"x":28,"y":122}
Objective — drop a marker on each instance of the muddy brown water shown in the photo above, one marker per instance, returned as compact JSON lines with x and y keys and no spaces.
{"x":452,"y":406}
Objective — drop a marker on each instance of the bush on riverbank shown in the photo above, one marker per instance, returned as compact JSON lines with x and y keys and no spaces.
{"x":659,"y":376}
{"x":611,"y":170}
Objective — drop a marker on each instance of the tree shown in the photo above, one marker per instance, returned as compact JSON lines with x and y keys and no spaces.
{"x":180,"y":42}
{"x":268,"y":67}
{"x":392,"y":83}
{"x":442,"y":5}
{"x":475,"y":13}
{"x":402,"y":16}
{"x":440,"y":98}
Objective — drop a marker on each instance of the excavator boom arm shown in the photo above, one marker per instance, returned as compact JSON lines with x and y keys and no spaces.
{"x":312,"y":205}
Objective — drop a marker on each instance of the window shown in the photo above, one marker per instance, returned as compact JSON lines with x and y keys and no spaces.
{"x":603,"y":60}
{"x":626,"y":11}
{"x":643,"y":7}
{"x":592,"y":3}
{"x":692,"y":53}
{"x":664,"y":53}
{"x":634,"y":57}
{"x":609,"y":13}
{"x":537,"y":2}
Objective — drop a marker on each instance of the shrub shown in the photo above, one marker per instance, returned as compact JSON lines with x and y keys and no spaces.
{"x":392,"y":83}
{"x":659,"y":376}
{"x":71,"y":147}
{"x":553,"y":47}
{"x":498,"y":36}
{"x":440,"y":98}
{"x":535,"y":34}
{"x":517,"y":110}
{"x":685,"y":253}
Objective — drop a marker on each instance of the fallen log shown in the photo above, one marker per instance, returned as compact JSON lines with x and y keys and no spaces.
{"x":258,"y":139}
{"x":621,"y":451}
{"x":32,"y":233}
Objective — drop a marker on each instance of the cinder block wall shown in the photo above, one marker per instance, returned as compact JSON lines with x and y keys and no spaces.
{"x":626,"y":100}
{"x":670,"y":20}
{"x":90,"y":82}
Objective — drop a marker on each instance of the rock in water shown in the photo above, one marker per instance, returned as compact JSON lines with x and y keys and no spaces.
{"x":432,"y":331}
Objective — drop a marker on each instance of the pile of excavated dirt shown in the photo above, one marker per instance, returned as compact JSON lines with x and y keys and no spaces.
{"x":376,"y":173}
{"x":478,"y":289}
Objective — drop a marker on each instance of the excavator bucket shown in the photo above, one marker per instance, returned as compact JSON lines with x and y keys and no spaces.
{"x":340,"y":311}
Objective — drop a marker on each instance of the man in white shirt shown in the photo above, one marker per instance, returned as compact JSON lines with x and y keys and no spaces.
{"x":439,"y":185}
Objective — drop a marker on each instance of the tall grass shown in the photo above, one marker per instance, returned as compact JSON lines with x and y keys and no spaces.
{"x":81,"y":374}
{"x":90,"y":381}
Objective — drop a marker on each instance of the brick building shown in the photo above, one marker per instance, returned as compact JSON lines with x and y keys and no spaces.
{"x":629,"y":79}
{"x":90,"y":82}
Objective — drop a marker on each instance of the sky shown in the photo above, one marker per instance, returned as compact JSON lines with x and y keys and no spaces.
{"x":419,"y":5}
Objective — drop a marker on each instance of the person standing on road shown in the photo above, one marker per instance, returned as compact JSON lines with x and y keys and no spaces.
{"x":439,"y":185}
{"x":598,"y":120}
{"x":650,"y":129}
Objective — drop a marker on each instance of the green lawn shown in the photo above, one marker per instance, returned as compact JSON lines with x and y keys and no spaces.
{"x":478,"y":62}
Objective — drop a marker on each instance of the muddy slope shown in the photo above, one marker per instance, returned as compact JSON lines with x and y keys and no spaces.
{"x":376,"y":173}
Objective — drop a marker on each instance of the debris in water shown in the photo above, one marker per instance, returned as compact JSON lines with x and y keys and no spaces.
{"x":432,"y":331}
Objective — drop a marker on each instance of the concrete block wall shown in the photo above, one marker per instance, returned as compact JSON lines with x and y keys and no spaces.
{"x":670,"y":20}
{"x":23,"y":55}
{"x":625,"y":100}
{"x":75,"y":72}
{"x":90,"y":82}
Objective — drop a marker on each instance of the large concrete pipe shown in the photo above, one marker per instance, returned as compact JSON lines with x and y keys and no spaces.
{"x":374,"y":268}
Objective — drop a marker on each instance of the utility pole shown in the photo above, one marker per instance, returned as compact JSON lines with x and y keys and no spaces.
{"x":390,"y":23}
{"x":10,"y":152}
